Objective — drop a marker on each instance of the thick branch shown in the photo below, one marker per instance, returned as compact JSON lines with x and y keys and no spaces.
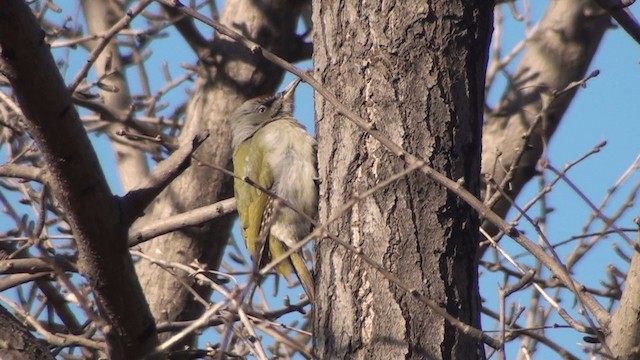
{"x":21,"y":171}
{"x":34,"y":265}
{"x":76,"y":180}
{"x":557,"y":55}
{"x":193,"y":217}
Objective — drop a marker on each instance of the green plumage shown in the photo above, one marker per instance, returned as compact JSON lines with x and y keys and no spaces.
{"x":252,"y":200}
{"x":275,"y":152}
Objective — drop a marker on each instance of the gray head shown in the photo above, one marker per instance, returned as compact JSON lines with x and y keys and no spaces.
{"x":257,"y":112}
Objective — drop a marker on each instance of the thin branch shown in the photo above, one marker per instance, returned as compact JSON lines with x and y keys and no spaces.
{"x":535,"y":335}
{"x":204,"y":318}
{"x":185,"y":26}
{"x":563,"y":313}
{"x":35,"y":265}
{"x":619,"y":11}
{"x":587,"y":201}
{"x":106,"y":38}
{"x":258,"y":315}
{"x":109,"y":115}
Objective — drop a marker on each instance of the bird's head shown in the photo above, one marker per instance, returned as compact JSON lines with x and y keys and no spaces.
{"x":257,"y":112}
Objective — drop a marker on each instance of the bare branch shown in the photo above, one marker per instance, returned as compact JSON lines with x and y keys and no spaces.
{"x":173,"y":223}
{"x":103,"y":17}
{"x":7,"y":282}
{"x":625,"y":328}
{"x":22,"y":172}
{"x":530,"y":104}
{"x":184,"y":24}
{"x":35,"y":265}
{"x":532,"y":333}
{"x":619,"y":10}
{"x":55,"y":339}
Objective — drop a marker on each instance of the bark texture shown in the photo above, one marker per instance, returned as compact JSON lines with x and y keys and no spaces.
{"x":229,"y":75}
{"x":558,"y":53}
{"x":416,"y":71}
{"x":17,"y":342}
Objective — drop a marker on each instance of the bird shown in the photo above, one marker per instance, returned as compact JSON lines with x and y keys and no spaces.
{"x":273,"y":150}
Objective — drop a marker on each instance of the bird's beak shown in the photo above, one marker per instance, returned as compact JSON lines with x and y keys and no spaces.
{"x":286,"y":97}
{"x":287,"y":94}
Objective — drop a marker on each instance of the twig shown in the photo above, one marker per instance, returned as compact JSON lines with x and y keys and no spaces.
{"x":106,"y":38}
{"x":531,"y":332}
{"x":550,"y":185}
{"x":587,"y":201}
{"x":185,"y":26}
{"x":563,"y":313}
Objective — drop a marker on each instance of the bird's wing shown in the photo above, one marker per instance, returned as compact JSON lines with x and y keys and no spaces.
{"x":248,"y":160}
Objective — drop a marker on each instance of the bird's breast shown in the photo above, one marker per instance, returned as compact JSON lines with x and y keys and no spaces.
{"x":290,"y":152}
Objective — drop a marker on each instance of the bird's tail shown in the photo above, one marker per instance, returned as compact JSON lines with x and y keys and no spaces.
{"x":306,"y":279}
{"x":295,"y":261}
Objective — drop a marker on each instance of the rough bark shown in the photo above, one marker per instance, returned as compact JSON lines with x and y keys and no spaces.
{"x":76,"y":181}
{"x":229,"y":74}
{"x":17,"y":342}
{"x":558,"y":53}
{"x":416,"y":71}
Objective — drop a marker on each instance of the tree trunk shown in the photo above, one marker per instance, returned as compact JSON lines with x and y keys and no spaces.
{"x":229,"y":74}
{"x":416,"y":71}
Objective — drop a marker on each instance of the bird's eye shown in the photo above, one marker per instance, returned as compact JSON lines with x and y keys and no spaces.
{"x":261,"y":109}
